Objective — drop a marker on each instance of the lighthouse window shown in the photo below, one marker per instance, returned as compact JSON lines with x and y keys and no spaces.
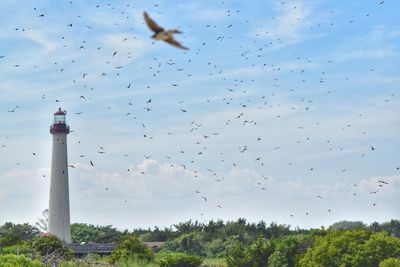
{"x":59,"y":118}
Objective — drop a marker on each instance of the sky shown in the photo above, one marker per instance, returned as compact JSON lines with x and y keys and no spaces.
{"x":281,"y":111}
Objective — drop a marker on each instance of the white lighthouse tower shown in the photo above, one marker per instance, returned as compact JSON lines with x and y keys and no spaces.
{"x":59,"y":222}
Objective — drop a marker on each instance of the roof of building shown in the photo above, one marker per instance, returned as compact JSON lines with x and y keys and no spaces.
{"x":60,"y":112}
{"x":99,"y":248}
{"x":104,"y":248}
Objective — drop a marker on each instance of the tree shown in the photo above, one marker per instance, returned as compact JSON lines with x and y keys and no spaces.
{"x":390,"y":262}
{"x":24,"y":231}
{"x":238,"y":256}
{"x":334,"y":249}
{"x":132,"y":247}
{"x":289,"y":249}
{"x":358,"y":248}
{"x":347,"y":225}
{"x":192,"y":243}
{"x":9,"y":239}
{"x":378,"y":247}
{"x":260,"y":251}
{"x":254,"y":255}
{"x":392,"y":227}
{"x":46,"y":245}
{"x":88,"y":233}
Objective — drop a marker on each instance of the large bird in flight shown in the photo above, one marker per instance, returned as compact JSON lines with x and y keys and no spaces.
{"x":161,"y":34}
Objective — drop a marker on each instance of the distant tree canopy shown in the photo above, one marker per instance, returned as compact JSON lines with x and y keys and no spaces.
{"x":347,"y":225}
{"x":88,"y":233}
{"x":240,"y":243}
{"x":11,"y":234}
{"x":132,"y":246}
{"x":358,"y":248}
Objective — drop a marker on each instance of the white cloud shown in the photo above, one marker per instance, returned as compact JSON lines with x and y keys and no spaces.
{"x":376,"y":44}
{"x":126,"y":199}
{"x":202,"y":12}
{"x":47,"y":45}
{"x":289,"y":26}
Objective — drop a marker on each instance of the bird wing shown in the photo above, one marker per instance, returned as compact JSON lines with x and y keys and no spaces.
{"x":151,"y":23}
{"x":173,"y":42}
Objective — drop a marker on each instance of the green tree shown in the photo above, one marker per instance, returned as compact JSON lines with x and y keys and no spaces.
{"x":347,"y":225}
{"x":130,"y":248}
{"x":238,"y":256}
{"x":358,"y":248}
{"x":390,"y":262}
{"x":260,"y":251}
{"x":392,"y":227}
{"x":47,"y":245}
{"x":10,"y":239}
{"x":378,"y":247}
{"x":289,"y":249}
{"x":191,"y":243}
{"x":24,"y":231}
{"x":86,"y":233}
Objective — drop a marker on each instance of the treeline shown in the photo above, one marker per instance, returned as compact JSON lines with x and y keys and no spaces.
{"x":241,"y":230}
{"x":236,"y":243}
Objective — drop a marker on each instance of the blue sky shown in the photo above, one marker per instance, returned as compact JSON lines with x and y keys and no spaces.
{"x":307,"y":87}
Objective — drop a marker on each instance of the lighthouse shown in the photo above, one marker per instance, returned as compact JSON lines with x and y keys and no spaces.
{"x":59,"y":221}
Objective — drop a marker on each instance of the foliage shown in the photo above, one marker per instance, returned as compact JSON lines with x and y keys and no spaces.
{"x":86,"y":233}
{"x":51,"y":245}
{"x":235,"y":243}
{"x":18,"y":261}
{"x":347,"y":225}
{"x":132,"y":247}
{"x":191,"y":243}
{"x":214,"y":262}
{"x":390,"y":262}
{"x":179,"y":259}
{"x":238,"y":256}
{"x":289,"y":249}
{"x":260,"y":251}
{"x":9,"y":239}
{"x":351,"y":248}
{"x":12,"y":234}
{"x":256,"y":254}
{"x":392,"y":228}
{"x":216,"y":247}
{"x":23,"y":248}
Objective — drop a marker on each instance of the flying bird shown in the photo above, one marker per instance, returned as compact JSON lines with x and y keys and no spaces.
{"x":161,"y":34}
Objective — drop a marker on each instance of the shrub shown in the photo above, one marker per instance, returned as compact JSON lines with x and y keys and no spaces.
{"x":132,"y":248}
{"x":18,"y":261}
{"x":46,"y":245}
{"x":256,"y":254}
{"x":238,"y":256}
{"x":180,"y":259}
{"x":390,"y":262}
{"x":21,"y":249}
{"x":357,"y":248}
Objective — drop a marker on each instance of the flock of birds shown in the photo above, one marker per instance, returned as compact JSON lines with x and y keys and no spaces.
{"x":236,"y":95}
